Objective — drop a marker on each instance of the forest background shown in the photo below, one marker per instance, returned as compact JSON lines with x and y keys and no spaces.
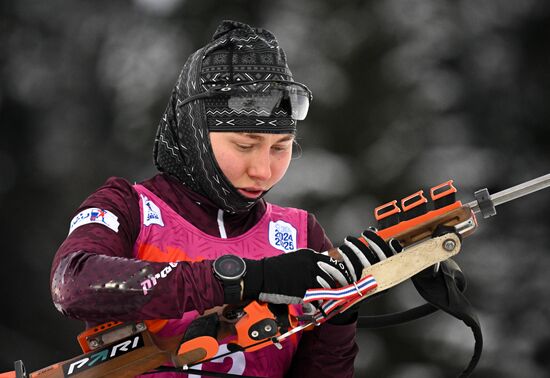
{"x":407,"y":94}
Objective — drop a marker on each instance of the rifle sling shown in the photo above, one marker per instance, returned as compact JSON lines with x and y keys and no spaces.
{"x":397,"y":318}
{"x":443,"y":291}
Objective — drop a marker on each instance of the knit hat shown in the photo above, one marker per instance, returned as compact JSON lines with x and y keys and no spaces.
{"x":243,"y":54}
{"x":237,"y":54}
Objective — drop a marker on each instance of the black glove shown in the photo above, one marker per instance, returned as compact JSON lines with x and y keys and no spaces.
{"x":358,"y":256}
{"x":285,"y":278}
{"x":367,"y":250}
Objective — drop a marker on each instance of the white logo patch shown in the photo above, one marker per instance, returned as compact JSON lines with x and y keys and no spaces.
{"x":282,"y":235}
{"x":151,"y":212}
{"x":95,"y":215}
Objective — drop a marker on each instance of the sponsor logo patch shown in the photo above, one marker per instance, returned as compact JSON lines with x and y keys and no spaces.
{"x":282,"y":235}
{"x":101,"y":356}
{"x":152,"y":279}
{"x":94,"y":215}
{"x":151,"y":212}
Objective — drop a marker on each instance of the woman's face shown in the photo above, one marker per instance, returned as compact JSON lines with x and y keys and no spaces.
{"x":253,"y":163}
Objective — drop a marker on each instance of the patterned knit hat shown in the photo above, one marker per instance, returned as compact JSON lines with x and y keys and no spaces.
{"x":242,"y":54}
{"x":237,"y":53}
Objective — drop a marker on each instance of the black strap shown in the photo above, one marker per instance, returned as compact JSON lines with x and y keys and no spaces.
{"x":390,"y":320}
{"x":443,"y":291}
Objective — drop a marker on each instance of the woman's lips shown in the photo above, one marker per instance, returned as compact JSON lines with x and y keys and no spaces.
{"x":251,"y":192}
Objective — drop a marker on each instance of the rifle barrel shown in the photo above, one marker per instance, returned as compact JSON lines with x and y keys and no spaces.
{"x":515,"y":192}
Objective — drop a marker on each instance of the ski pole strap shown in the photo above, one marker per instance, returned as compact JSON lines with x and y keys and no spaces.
{"x":348,"y":292}
{"x":442,"y":291}
{"x":334,"y":299}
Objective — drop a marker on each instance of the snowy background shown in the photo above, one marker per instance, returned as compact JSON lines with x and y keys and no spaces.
{"x":407,"y":94}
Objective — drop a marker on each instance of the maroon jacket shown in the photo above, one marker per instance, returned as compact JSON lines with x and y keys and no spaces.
{"x":95,"y":277}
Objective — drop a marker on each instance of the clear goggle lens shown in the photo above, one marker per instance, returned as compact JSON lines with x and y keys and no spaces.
{"x":267,"y":99}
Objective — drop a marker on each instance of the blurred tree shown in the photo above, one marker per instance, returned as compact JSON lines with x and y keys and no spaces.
{"x":407,"y":94}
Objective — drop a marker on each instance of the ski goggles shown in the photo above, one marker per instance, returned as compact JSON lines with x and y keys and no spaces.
{"x":262,"y":98}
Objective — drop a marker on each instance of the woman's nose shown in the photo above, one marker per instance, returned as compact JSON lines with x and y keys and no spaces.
{"x":260,"y":166}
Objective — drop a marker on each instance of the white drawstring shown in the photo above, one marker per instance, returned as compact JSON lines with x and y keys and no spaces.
{"x":221,"y":226}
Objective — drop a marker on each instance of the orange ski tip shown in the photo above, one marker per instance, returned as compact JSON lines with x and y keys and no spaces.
{"x":413,"y":200}
{"x":198,"y":349}
{"x":9,"y":374}
{"x":386,"y":210}
{"x":155,"y":325}
{"x":442,"y":190}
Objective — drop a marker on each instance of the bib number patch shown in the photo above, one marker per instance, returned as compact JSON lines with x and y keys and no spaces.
{"x":238,"y":362}
{"x":283,"y":236}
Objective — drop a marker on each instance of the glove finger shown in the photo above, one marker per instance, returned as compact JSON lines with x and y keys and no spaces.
{"x":365,"y":251}
{"x":395,"y":246}
{"x":377,"y":244}
{"x":323,"y":278}
{"x":326,"y":281}
{"x":355,"y":266}
{"x":345,"y":266}
{"x":335,"y":273}
{"x":361,"y":251}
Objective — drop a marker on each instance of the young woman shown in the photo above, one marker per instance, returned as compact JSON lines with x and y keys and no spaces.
{"x":146,"y":251}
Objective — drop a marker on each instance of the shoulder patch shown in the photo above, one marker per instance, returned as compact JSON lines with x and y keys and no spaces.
{"x":283,"y":236}
{"x":151,"y":212}
{"x":95,"y":215}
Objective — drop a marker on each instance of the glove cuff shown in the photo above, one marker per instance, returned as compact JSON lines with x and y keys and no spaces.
{"x":253,"y":279}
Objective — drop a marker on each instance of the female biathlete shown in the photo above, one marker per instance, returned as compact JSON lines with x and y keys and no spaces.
{"x":146,"y":250}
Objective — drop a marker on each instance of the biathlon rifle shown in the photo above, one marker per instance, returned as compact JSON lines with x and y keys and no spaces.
{"x":117,"y":349}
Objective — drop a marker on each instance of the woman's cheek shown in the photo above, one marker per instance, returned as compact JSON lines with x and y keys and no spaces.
{"x":281,"y":167}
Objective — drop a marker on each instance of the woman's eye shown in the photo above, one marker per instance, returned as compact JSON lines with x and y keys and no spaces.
{"x":280,"y":148}
{"x":244,"y":147}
